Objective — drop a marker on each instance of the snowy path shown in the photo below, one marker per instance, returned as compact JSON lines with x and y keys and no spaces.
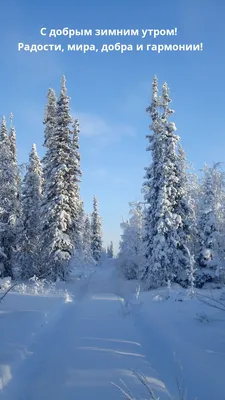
{"x":90,"y":346}
{"x":93,"y":344}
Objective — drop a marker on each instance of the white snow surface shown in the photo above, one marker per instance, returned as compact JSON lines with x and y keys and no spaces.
{"x":72,"y":347}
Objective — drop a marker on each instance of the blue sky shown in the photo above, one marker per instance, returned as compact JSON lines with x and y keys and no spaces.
{"x":110,"y":91}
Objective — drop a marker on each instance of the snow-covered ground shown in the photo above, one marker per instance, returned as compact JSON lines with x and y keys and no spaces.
{"x":185,"y":341}
{"x":54,"y":349}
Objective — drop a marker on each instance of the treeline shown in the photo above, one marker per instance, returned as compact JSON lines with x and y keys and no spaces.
{"x":44,"y":230}
{"x":177,"y":234}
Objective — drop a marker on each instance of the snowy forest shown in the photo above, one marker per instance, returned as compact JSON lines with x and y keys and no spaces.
{"x":44,"y":228}
{"x":67,"y":296}
{"x":176,"y":233}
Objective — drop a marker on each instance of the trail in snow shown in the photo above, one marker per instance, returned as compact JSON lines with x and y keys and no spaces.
{"x":94,"y":343}
{"x":91,"y":345}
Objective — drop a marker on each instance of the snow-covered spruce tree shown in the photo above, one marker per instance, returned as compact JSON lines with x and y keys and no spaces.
{"x":12,"y":140}
{"x":165,"y":197}
{"x":77,"y":232}
{"x":96,"y":232}
{"x":110,"y":250}
{"x":28,"y":255}
{"x":130,"y":256}
{"x":186,"y":227}
{"x":194,"y":194}
{"x":49,"y":119}
{"x":124,"y":253}
{"x":78,"y":237}
{"x":74,"y":179}
{"x":143,"y":247}
{"x":59,"y":190}
{"x":9,"y":207}
{"x":211,"y":219}
{"x":49,"y":122}
{"x":152,"y":182}
{"x":168,"y":245}
{"x":86,"y":242}
{"x":177,"y":221}
{"x":158,"y":192}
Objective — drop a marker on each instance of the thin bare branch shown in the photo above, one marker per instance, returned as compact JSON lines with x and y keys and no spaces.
{"x":7,"y":291}
{"x":211,"y":301}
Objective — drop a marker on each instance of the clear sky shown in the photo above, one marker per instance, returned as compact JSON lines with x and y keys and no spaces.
{"x":110,"y":91}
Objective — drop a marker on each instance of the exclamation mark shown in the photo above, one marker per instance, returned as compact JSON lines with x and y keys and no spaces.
{"x":201,"y":46}
{"x":175,"y":30}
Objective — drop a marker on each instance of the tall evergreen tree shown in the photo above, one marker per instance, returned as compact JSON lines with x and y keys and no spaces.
{"x":28,"y":249}
{"x":49,"y":123}
{"x":96,"y":228}
{"x":152,"y":182}
{"x":164,"y":194}
{"x":8,"y":201}
{"x":59,"y":192}
{"x":110,"y":250}
{"x":166,"y":241}
{"x":78,"y":232}
{"x":87,"y":237}
{"x":50,"y":117}
{"x":12,"y":139}
{"x":74,"y":179}
{"x":211,"y":218}
{"x":131,"y":248}
{"x":185,"y":210}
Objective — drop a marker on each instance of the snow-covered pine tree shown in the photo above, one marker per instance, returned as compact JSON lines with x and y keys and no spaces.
{"x":8,"y":201}
{"x":143,"y":247}
{"x":50,"y":116}
{"x":77,"y":234}
{"x":28,"y":255}
{"x":185,"y":210}
{"x":194,"y":191}
{"x":136,"y":236}
{"x":96,"y":232}
{"x":74,"y":179}
{"x":87,"y":236}
{"x":152,"y":176}
{"x":162,"y":187}
{"x":211,"y":220}
{"x":79,"y":227}
{"x":124,"y":263}
{"x":130,"y":256}
{"x":188,"y":197}
{"x":12,"y":139}
{"x":49,"y":123}
{"x":59,"y":193}
{"x":152,"y":188}
{"x":110,"y":250}
{"x":166,"y":242}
